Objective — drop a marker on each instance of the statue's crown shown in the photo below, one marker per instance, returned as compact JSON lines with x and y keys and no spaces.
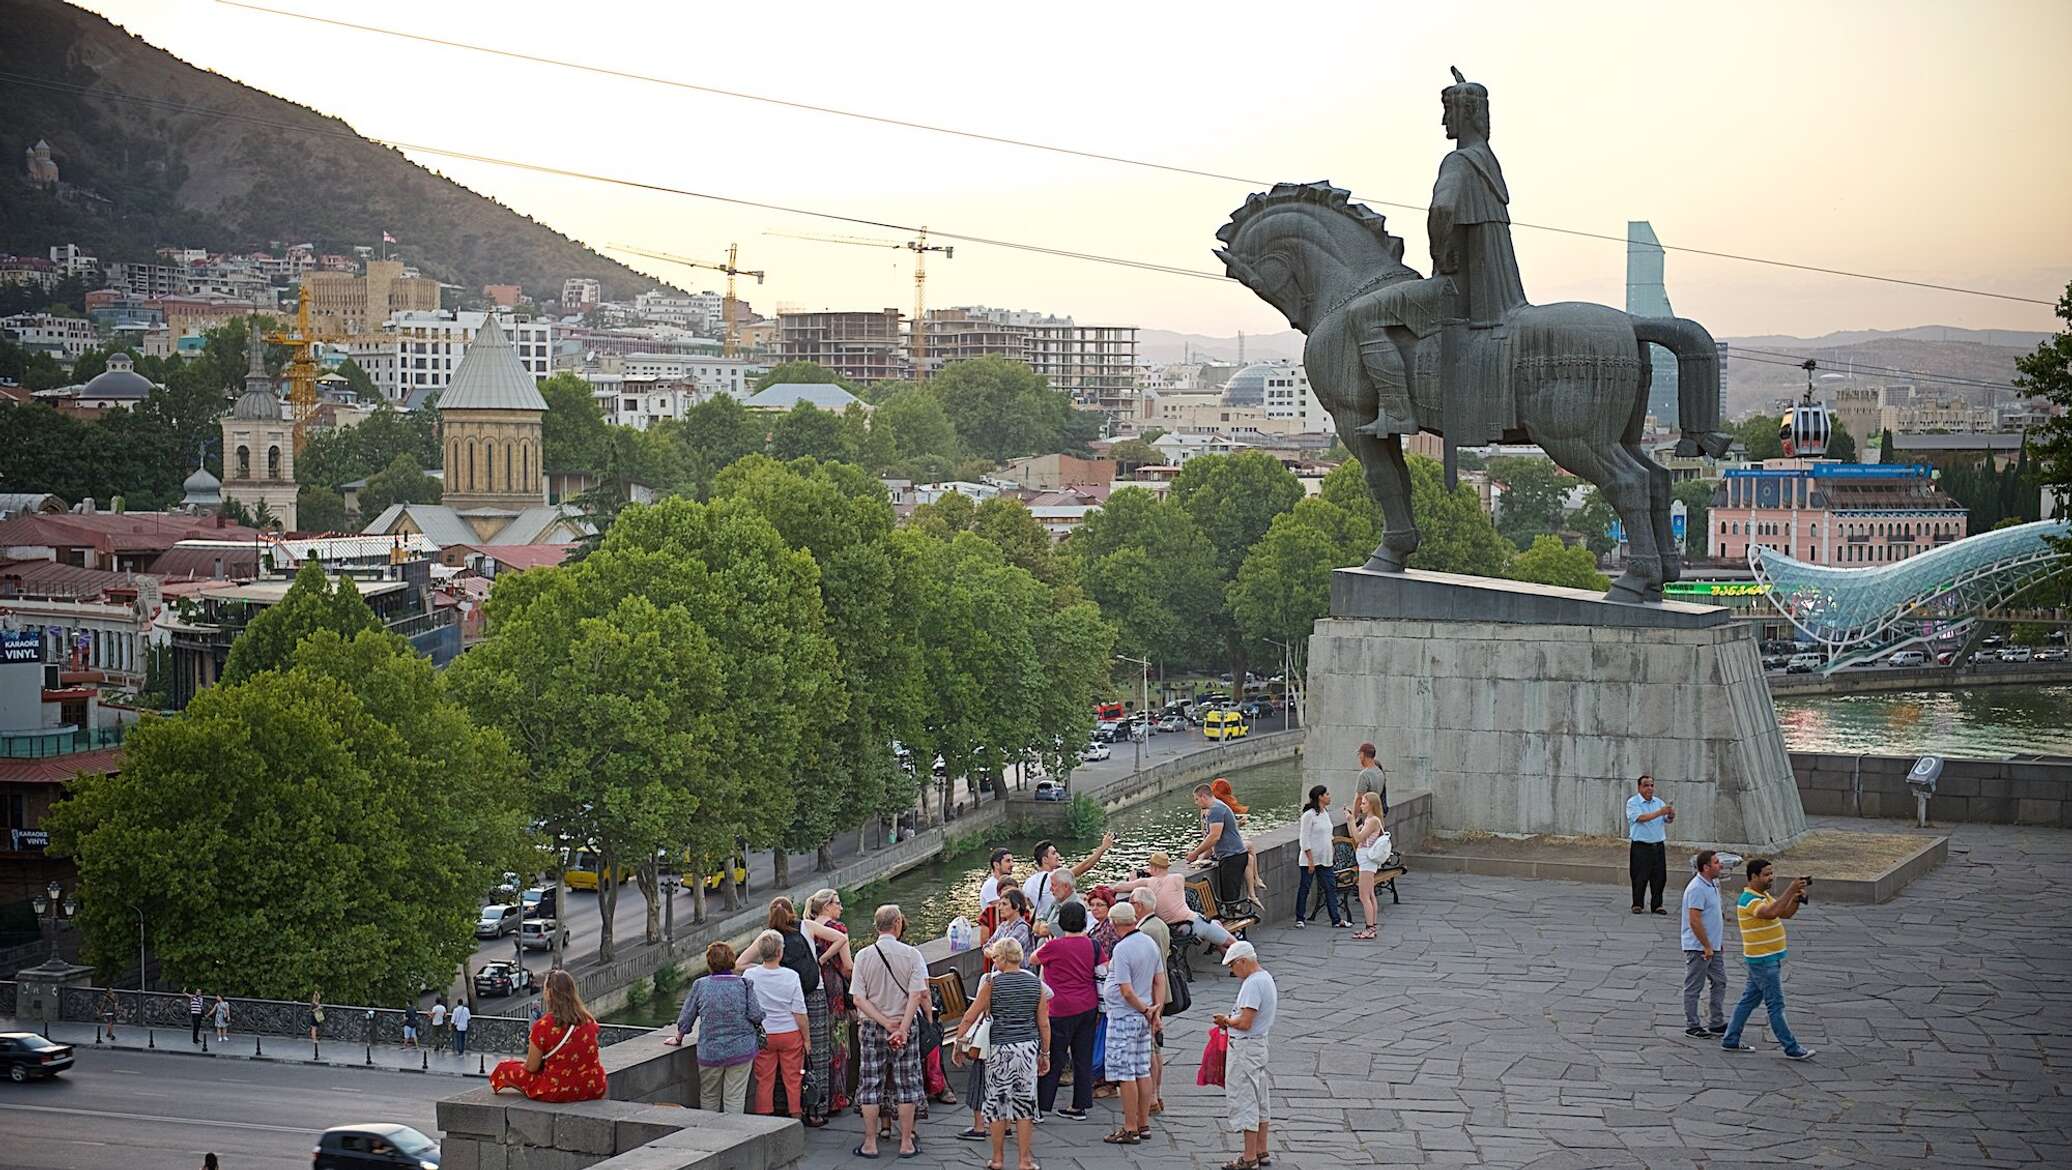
{"x":1463,"y":89}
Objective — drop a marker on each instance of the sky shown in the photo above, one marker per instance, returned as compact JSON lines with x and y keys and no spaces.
{"x":1921,"y":140}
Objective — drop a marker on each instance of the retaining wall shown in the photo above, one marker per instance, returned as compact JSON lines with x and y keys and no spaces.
{"x":1941,"y":678}
{"x":1169,"y":775}
{"x":1999,"y":792}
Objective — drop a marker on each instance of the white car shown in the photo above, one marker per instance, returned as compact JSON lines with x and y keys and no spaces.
{"x":2015,"y":654}
{"x":1805,"y":663}
{"x":1908,"y":658}
{"x":2051,"y":654}
{"x":1096,"y":752}
{"x":537,"y":934}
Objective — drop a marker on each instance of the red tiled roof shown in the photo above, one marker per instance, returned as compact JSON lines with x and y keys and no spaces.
{"x":117,"y":531}
{"x":55,"y":580}
{"x":59,"y":769}
{"x":199,"y":564}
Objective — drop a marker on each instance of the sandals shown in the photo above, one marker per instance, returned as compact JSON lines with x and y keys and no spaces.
{"x":1239,"y":1164}
{"x":1157,"y":1107}
{"x":858,"y":1152}
{"x":1124,"y":1137}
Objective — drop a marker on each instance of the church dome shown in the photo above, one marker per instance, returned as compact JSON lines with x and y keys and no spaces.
{"x":490,"y":376}
{"x":256,"y":405}
{"x":202,"y":488}
{"x":119,"y":380}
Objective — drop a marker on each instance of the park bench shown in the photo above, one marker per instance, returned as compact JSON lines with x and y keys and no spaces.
{"x":1346,"y":869}
{"x":1236,"y":917}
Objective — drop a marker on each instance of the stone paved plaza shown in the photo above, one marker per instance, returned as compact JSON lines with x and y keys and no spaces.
{"x":1539,"y":1024}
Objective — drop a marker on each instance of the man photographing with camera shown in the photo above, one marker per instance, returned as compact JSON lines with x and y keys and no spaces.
{"x":1762,"y":949}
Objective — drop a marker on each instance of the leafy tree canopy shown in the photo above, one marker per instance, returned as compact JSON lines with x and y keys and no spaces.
{"x":313,"y":602}
{"x":1001,"y":409}
{"x":785,"y":373}
{"x":1550,"y":562}
{"x":572,"y":432}
{"x":401,"y":482}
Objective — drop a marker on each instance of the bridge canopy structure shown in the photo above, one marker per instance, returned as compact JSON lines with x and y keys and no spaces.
{"x":1858,"y":613}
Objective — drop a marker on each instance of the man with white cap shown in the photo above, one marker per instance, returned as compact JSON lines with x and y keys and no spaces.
{"x":1245,"y":1080}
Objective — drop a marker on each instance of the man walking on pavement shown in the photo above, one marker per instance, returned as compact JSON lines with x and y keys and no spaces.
{"x":1762,"y":951}
{"x":461,"y":1018}
{"x":1246,"y":1083}
{"x":1704,"y":942}
{"x":1647,"y":828}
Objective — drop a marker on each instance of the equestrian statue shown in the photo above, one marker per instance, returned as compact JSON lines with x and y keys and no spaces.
{"x":1462,"y":353}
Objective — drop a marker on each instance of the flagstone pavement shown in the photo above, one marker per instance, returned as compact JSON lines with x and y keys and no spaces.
{"x":1539,"y":1024}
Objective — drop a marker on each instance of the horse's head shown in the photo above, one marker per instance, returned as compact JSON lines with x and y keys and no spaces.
{"x":1301,"y":245}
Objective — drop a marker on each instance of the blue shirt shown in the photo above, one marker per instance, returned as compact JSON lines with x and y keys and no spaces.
{"x":1231,"y":841}
{"x":1652,"y":832}
{"x":1703,"y":896}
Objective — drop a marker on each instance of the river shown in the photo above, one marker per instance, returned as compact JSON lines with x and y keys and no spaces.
{"x":1980,"y":723}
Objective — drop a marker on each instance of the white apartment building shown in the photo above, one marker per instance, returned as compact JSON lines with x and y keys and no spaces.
{"x":701,"y":313}
{"x":641,"y":402}
{"x":428,"y":347}
{"x":148,"y":280}
{"x":580,"y":291}
{"x":735,"y":376}
{"x":381,"y":361}
{"x":64,"y":338}
{"x":69,"y":260}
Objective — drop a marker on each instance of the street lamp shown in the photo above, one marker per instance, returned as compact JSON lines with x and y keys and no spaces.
{"x":55,"y":904}
{"x":1288,"y":679}
{"x":670,"y":883}
{"x":1144,"y":710}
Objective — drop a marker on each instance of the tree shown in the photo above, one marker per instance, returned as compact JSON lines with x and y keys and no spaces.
{"x":1841,"y":445}
{"x":572,"y":432}
{"x":1153,"y":572}
{"x":1550,"y":562}
{"x":1531,"y":503}
{"x":660,"y":690}
{"x":1696,"y":495}
{"x":917,"y":425}
{"x":338,"y":456}
{"x":1020,"y":537}
{"x":1132,"y":454}
{"x":1284,"y":585}
{"x":806,"y":431}
{"x":1233,"y":499}
{"x":712,"y":435}
{"x":1758,"y":436}
{"x":1001,"y":408}
{"x":949,"y":514}
{"x":401,"y":482}
{"x":319,"y":509}
{"x":1593,"y":521}
{"x":312,"y":603}
{"x":331,"y":826}
{"x":362,"y":383}
{"x":1457,"y":535}
{"x":2047,"y":372}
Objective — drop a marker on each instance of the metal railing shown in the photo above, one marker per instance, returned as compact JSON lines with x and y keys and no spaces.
{"x":39,"y":745}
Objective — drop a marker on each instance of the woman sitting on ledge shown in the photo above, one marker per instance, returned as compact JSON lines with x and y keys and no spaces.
{"x":561,"y":1058}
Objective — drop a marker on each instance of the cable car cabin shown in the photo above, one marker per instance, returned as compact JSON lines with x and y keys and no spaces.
{"x":1804,"y":430}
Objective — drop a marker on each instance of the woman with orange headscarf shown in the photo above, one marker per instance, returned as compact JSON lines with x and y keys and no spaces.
{"x":1222,"y":791}
{"x":561,"y":1058}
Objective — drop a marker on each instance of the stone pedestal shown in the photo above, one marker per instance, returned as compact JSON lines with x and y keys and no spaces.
{"x":1532,"y":709}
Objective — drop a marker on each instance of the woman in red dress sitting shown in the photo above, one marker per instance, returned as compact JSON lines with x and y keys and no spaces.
{"x":561,"y":1059}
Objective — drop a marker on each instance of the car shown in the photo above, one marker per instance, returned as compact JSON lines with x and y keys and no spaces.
{"x":1992,"y":641}
{"x":498,"y":921}
{"x":29,"y":1056}
{"x":1804,"y":663}
{"x":2016,"y":654}
{"x":2050,"y":654}
{"x":1096,"y":752}
{"x":584,"y":868}
{"x":1173,"y":722}
{"x":1776,"y":661}
{"x":718,"y":876}
{"x":1110,"y":731}
{"x":1224,"y":724}
{"x":507,"y":888}
{"x":538,"y":902}
{"x":1908,"y":658}
{"x":502,"y":977}
{"x":374,"y":1143}
{"x":1049,"y":790}
{"x":1978,"y":656}
{"x":537,"y":934}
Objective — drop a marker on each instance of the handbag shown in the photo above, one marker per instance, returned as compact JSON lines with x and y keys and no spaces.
{"x":1179,"y":997}
{"x":1213,"y":1055}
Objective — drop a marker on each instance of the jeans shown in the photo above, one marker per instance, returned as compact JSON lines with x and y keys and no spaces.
{"x":460,"y":1041}
{"x":1071,"y":1038}
{"x":1327,"y":882}
{"x":1765,"y":986}
{"x":196,"y":1017}
{"x":1648,"y":863}
{"x":1697,"y":971}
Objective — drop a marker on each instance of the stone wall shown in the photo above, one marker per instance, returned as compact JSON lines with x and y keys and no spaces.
{"x":1886,"y":678}
{"x":1180,"y":771}
{"x":2000,"y":792}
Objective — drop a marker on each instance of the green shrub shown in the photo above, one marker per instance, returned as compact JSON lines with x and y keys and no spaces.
{"x":667,"y":980}
{"x":637,"y":995}
{"x":1085,"y":818}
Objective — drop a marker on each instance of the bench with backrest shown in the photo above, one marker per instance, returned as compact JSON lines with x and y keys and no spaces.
{"x":1201,"y":898}
{"x":1346,"y":868}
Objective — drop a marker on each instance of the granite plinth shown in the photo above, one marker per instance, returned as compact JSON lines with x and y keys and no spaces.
{"x":1418,"y":595}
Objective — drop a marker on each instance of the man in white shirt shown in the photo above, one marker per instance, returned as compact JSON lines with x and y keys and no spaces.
{"x":1000,"y":867}
{"x":1048,"y":861}
{"x":1130,"y":999}
{"x":1246,"y":1083}
{"x":439,"y":1023}
{"x":461,"y":1018}
{"x":1704,"y":946}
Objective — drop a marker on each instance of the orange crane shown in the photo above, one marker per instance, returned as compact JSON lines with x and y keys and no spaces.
{"x":920,"y":247}
{"x":732,"y":344}
{"x":302,"y":367}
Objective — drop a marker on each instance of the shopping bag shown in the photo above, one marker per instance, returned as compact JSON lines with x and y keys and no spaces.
{"x":1212,"y":1056}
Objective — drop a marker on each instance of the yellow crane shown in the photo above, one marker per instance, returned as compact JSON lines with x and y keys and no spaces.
{"x":917,"y":334}
{"x":732,"y":342}
{"x":302,"y":367}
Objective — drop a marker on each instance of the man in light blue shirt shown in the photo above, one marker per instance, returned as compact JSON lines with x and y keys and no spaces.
{"x":1647,"y":827}
{"x":1704,"y":946}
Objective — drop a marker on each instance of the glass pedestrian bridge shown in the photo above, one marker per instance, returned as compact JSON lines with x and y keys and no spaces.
{"x":1860,"y":613}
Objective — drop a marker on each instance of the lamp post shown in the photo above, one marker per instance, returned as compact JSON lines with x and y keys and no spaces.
{"x":1288,"y":680}
{"x":58,"y":905}
{"x":670,"y":883}
{"x":1143,"y":710}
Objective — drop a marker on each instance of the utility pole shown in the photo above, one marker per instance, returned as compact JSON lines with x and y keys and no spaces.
{"x":1144,"y":709}
{"x":1288,"y":678}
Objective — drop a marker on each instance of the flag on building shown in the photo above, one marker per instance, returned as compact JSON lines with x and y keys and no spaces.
{"x":387,"y":238}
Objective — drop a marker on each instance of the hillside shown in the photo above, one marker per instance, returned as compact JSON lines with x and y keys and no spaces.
{"x":144,"y":175}
{"x":1970,"y":355}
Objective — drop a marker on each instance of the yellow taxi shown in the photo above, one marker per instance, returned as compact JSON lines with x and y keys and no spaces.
{"x":1224,"y":724}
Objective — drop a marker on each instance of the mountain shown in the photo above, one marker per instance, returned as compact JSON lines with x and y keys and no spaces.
{"x":1162,"y":346}
{"x":1928,"y":354}
{"x":252,"y":170}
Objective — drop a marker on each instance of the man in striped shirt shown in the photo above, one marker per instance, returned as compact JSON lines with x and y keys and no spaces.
{"x":1762,"y":949}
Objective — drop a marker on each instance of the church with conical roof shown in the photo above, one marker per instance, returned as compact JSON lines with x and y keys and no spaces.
{"x":258,"y":443}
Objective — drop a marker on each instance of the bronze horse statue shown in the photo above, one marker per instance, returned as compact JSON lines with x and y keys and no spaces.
{"x":1571,"y":377}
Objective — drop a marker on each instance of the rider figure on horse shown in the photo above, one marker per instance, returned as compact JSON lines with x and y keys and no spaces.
{"x":1474,"y":270}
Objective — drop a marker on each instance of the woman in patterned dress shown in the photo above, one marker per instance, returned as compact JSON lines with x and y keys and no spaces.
{"x":831,"y":938}
{"x":561,"y":1058}
{"x":1018,"y":1003}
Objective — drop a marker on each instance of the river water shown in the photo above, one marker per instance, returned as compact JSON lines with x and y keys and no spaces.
{"x":1980,"y":723}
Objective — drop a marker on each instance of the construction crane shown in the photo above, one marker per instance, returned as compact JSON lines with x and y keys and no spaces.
{"x":920,"y":247}
{"x":732,"y":343}
{"x":302,"y":367}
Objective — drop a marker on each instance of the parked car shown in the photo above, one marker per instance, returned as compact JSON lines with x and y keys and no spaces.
{"x":1978,"y":656}
{"x":29,"y":1056}
{"x":2050,"y":654}
{"x":1172,"y":723}
{"x":538,"y":934}
{"x":1049,"y":790}
{"x":504,"y":977}
{"x":1224,"y":724}
{"x":1805,"y":663}
{"x":375,"y":1143}
{"x":507,"y":888}
{"x":1096,"y":752}
{"x":1106,"y":730}
{"x":2016,"y":654}
{"x":1908,"y":658}
{"x":1776,"y":661}
{"x":498,"y":921}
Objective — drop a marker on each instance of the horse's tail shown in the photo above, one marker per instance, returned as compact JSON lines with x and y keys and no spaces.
{"x":1697,"y":381}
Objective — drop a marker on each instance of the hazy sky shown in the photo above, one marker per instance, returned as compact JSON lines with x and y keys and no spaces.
{"x":1921,"y":140}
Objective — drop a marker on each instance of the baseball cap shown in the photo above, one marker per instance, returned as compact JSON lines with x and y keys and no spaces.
{"x":1239,"y":950}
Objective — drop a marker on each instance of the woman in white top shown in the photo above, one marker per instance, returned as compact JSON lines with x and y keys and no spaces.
{"x":786,"y":1040}
{"x":1316,"y":859}
{"x":1367,"y":850}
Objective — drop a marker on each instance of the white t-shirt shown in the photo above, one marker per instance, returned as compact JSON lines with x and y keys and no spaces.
{"x":438,"y":1015}
{"x":988,"y":893}
{"x":1315,"y":837}
{"x":1038,"y":890}
{"x":781,"y":993}
{"x":1257,"y":991}
{"x":461,"y":1016}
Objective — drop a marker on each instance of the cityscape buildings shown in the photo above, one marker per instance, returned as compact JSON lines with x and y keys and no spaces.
{"x":1828,"y":513}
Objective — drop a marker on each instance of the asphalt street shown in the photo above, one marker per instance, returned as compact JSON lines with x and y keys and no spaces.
{"x":136,"y":1110}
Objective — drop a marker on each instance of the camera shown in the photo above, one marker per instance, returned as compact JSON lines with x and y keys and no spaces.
{"x":1806,"y":895}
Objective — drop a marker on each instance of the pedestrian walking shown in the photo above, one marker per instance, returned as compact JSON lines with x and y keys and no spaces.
{"x":462,"y":1017}
{"x":1067,"y":962}
{"x":1369,"y":833}
{"x":891,"y":987}
{"x":196,"y":1010}
{"x":1246,"y":1081}
{"x":726,"y":1011}
{"x":439,"y":1024}
{"x":787,"y":1027}
{"x":1762,"y":951}
{"x":410,"y":1024}
{"x":1647,"y":829}
{"x":110,"y":1008}
{"x":1018,"y":1004}
{"x":316,"y":1014}
{"x":222,"y":1013}
{"x":1132,"y":1017}
{"x":1222,"y":842}
{"x":1315,"y":859}
{"x":1704,"y":946}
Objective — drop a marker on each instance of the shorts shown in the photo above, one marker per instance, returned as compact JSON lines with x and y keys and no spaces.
{"x":883,"y":1070}
{"x":409,"y":1033}
{"x":1245,"y":1085}
{"x":1129,"y":1047}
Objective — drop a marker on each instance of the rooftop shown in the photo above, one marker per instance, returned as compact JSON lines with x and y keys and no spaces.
{"x":786,"y":395}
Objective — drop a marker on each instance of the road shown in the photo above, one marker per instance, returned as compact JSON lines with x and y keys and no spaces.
{"x":119,"y":1110}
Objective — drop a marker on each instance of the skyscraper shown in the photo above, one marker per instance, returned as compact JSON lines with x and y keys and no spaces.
{"x":1647,"y":297}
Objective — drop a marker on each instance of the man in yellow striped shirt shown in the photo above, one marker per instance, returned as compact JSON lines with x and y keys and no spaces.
{"x":1762,"y":949}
